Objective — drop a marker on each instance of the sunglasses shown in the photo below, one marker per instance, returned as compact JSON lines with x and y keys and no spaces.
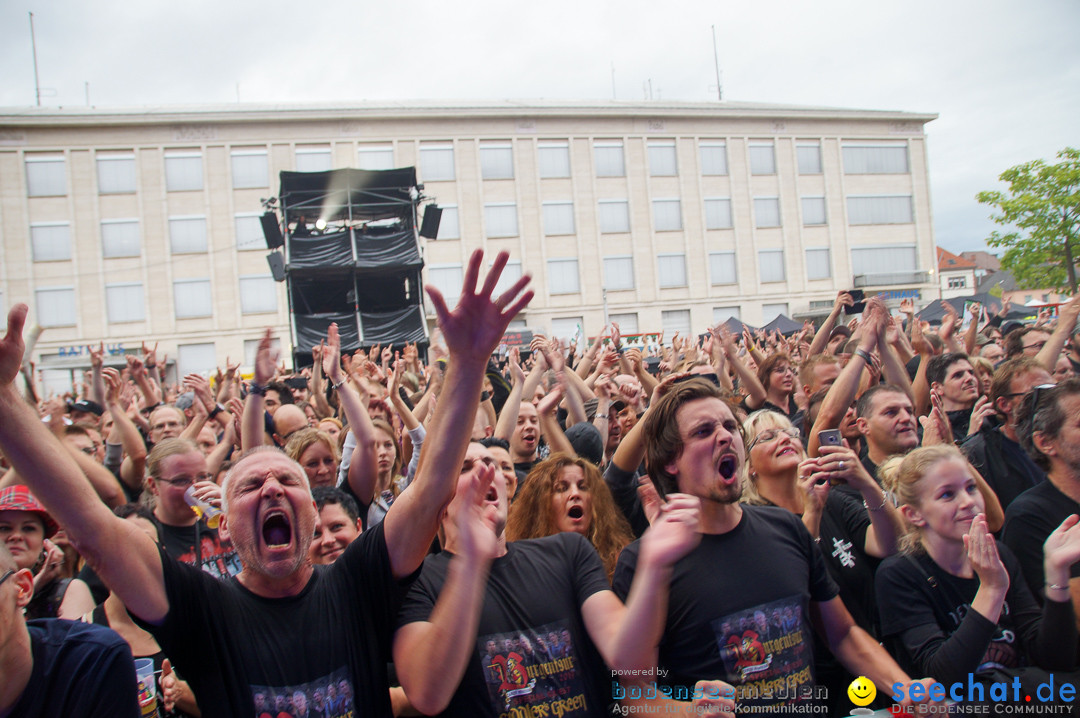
{"x":6,"y":576}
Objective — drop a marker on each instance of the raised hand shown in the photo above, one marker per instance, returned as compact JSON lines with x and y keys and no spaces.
{"x":674,"y":532}
{"x":551,"y":400}
{"x":907,"y":306}
{"x":113,"y":385}
{"x":983,"y":554}
{"x":474,"y":327}
{"x":983,"y":408}
{"x":476,"y":526}
{"x":1061,"y":550}
{"x":331,"y":354}
{"x":265,"y":359}
{"x":97,"y":356}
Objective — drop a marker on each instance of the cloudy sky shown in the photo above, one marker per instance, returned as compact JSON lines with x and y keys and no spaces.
{"x":1004,"y":76}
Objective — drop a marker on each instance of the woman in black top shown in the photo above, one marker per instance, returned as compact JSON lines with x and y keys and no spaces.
{"x":955,"y":602}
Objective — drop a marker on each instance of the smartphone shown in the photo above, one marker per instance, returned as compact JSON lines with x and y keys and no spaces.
{"x":859,"y":297}
{"x":830,"y":437}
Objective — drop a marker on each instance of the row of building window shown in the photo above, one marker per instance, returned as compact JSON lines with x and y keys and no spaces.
{"x":564,"y":278}
{"x":671,"y":321}
{"x":126,"y":301}
{"x":51,"y":241}
{"x":116,"y":171}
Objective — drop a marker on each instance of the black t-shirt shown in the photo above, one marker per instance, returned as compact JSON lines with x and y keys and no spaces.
{"x":235,"y":647}
{"x":928,"y":611}
{"x":80,"y":670}
{"x":843,"y":528}
{"x":533,"y":655}
{"x":199,"y":545}
{"x":739,"y":608}
{"x":1004,"y":464}
{"x":1029,"y":520}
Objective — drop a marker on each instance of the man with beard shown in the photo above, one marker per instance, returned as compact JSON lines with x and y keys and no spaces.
{"x":695,"y":447}
{"x":281,"y":622}
{"x":953,"y":378}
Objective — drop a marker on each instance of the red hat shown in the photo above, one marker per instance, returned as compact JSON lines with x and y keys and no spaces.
{"x":19,"y":498}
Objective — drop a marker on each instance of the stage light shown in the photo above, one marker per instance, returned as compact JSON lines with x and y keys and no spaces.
{"x":320,"y":224}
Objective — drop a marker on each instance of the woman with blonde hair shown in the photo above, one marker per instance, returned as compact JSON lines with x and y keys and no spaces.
{"x":843,"y":508}
{"x":317,"y":452}
{"x":566,"y":493}
{"x":955,"y":602}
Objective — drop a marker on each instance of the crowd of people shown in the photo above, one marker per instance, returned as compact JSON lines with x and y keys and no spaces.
{"x":717,"y":523}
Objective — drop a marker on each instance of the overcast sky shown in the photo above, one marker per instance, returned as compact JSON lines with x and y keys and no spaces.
{"x":1004,"y":76}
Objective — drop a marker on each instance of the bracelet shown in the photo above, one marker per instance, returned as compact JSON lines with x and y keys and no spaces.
{"x":217,"y":410}
{"x":860,"y":352}
{"x":338,"y":384}
{"x":259,"y":389}
{"x":601,"y":416}
{"x":1057,"y":587}
{"x":884,"y":500}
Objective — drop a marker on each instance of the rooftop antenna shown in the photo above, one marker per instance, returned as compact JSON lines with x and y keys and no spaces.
{"x":33,"y":49}
{"x":716,"y":61}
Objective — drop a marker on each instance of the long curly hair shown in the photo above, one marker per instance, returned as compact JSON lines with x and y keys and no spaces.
{"x":531,"y":515}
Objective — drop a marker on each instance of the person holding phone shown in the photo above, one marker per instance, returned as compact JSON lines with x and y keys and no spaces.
{"x":851,"y":532}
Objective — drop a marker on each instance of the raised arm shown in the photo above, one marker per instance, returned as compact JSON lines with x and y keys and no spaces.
{"x":253,"y":424}
{"x":125,"y":557}
{"x":821,"y":338}
{"x":504,"y":427}
{"x":124,"y":432}
{"x":755,"y":392}
{"x":472,"y":331}
{"x":363,"y":466}
{"x":1050,"y":352}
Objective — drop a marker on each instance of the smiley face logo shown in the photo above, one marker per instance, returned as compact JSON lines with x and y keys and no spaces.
{"x":862,"y":691}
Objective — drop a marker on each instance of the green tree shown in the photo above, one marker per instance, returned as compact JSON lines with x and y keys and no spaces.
{"x":1043,"y":205}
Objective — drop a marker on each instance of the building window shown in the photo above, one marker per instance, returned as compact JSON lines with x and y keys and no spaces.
{"x":124,"y":302}
{"x":55,"y":306}
{"x":718,"y":213}
{"x":510,"y":274}
{"x":766,"y":211}
{"x":818,"y":265}
{"x":609,"y":159}
{"x":675,"y":320}
{"x":884,"y":260}
{"x":258,"y":294}
{"x":496,"y":160}
{"x":375,"y":157}
{"x":553,"y":159}
{"x":50,"y":241}
{"x":619,"y":272}
{"x":722,"y":314}
{"x":662,"y":159}
{"x":875,"y":160}
{"x":447,"y":278}
{"x":713,"y":158}
{"x":563,"y":276}
{"x":627,"y":322}
{"x":722,"y":268}
{"x":671,"y":270}
{"x":880,"y":210}
{"x":250,"y":168}
{"x":809,"y":156}
{"x":566,"y":327}
{"x":449,"y":227}
{"x":771,"y":265}
{"x":500,"y":219}
{"x":772,"y":311}
{"x":762,"y":159}
{"x":437,"y":162}
{"x":614,"y":216}
{"x":183,"y":171}
{"x":667,"y":215}
{"x":313,"y":158}
{"x":192,"y":298}
{"x":813,"y":211}
{"x":249,"y":234}
{"x":196,"y":358}
{"x":45,"y":176}
{"x":120,"y":238}
{"x":960,"y":283}
{"x":187,"y":235}
{"x":116,"y":173}
{"x":558,"y":218}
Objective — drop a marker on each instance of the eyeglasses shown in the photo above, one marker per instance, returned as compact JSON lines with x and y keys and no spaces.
{"x":1037,"y":345}
{"x":6,"y":576}
{"x":182,"y":482}
{"x":771,"y":434}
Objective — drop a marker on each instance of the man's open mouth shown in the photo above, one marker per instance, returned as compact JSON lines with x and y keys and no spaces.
{"x":727,"y":467}
{"x":276,"y":530}
{"x":492,"y":495}
{"x":576,"y":512}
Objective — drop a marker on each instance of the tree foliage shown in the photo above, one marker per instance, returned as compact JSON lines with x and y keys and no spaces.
{"x":1042,"y":207}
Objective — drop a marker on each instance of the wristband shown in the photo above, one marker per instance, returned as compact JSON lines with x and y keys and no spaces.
{"x":259,"y":389}
{"x":601,"y":416}
{"x":485,"y":395}
{"x":860,"y":352}
{"x":884,"y":500}
{"x":217,"y":410}
{"x":338,"y":384}
{"x":1057,"y":587}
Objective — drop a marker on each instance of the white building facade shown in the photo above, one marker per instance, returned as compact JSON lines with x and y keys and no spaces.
{"x":142,"y":225}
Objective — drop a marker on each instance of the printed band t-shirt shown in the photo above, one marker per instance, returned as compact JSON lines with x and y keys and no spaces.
{"x":532,"y":655}
{"x":244,"y":654}
{"x":738,"y":608}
